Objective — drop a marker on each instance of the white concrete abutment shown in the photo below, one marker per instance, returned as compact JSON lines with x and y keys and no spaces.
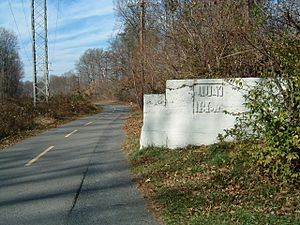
{"x":192,"y":112}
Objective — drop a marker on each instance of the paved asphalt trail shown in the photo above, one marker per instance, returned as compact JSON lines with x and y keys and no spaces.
{"x":79,"y":176}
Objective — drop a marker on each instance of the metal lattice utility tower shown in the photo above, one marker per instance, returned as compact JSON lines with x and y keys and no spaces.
{"x":39,"y":50}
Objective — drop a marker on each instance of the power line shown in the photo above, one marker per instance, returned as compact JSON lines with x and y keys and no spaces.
{"x":26,"y":20}
{"x":19,"y":33}
{"x":56,"y":25}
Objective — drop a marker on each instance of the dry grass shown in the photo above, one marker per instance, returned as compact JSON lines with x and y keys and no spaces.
{"x":208,"y":184}
{"x":19,"y":120}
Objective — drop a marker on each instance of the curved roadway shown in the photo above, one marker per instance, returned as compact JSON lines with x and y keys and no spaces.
{"x":75,"y":174}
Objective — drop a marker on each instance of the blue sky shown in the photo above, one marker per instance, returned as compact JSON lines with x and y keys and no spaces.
{"x":81,"y":24}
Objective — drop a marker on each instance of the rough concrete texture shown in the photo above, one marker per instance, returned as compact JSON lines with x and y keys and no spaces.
{"x":192,"y":112}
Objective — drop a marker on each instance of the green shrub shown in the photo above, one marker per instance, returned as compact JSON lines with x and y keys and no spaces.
{"x":274,"y":114}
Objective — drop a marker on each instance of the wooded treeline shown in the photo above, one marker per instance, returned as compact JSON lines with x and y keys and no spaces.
{"x":11,"y":68}
{"x":181,"y":39}
{"x":200,"y":39}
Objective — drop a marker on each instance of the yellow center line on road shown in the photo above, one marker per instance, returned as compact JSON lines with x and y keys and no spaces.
{"x":87,"y":124}
{"x":68,"y":135}
{"x":39,"y":156}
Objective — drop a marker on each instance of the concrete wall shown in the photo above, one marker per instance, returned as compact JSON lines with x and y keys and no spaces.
{"x":191,"y":112}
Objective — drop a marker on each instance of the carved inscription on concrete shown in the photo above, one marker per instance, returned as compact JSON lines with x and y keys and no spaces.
{"x":208,"y":98}
{"x":191,"y":112}
{"x":158,"y":99}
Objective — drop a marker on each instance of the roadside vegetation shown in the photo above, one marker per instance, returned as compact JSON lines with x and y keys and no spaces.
{"x":217,"y":184}
{"x":255,"y":178}
{"x":252,"y":180}
{"x":18,"y":117}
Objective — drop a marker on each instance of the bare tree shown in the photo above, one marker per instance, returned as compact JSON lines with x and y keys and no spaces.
{"x":92,"y":66}
{"x":198,"y":39}
{"x":11,"y":68}
{"x":64,"y":84}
